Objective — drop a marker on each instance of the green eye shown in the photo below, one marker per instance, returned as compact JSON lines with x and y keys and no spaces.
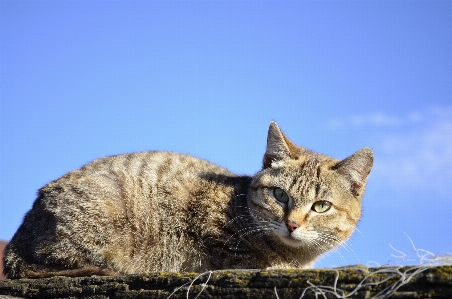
{"x":321,"y":206}
{"x":280,"y":195}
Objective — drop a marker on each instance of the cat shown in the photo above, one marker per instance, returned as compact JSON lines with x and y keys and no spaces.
{"x":2,"y":248}
{"x":163,"y":211}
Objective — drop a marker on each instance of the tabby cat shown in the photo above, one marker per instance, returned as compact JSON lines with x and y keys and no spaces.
{"x":162,"y":211}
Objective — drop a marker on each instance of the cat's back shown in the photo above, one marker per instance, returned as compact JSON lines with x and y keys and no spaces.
{"x":120,"y":209}
{"x":138,"y":171}
{"x":148,"y":164}
{"x":115,"y":186}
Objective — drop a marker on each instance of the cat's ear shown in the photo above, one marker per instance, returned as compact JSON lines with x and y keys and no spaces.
{"x":355,"y":170}
{"x":278,"y":146}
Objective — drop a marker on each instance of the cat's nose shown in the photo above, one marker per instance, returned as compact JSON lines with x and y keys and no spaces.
{"x":292,"y":225}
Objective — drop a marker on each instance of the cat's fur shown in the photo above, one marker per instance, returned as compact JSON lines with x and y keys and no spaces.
{"x":161,"y":211}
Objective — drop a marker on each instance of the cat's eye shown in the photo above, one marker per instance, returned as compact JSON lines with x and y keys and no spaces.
{"x":280,"y":195}
{"x":321,"y":206}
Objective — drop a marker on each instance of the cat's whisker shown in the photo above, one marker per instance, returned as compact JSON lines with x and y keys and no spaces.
{"x":250,"y":217}
{"x":246,"y":229}
{"x":239,"y":195}
{"x":350,"y":250}
{"x":238,"y":233}
{"x":234,"y":219}
{"x":259,"y":229}
{"x":338,"y":242}
{"x":338,"y":252}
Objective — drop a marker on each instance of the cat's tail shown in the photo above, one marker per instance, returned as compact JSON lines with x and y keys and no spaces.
{"x":32,"y":253}
{"x":15,"y":267}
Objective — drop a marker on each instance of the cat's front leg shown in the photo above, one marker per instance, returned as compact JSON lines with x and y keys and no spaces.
{"x":286,"y":265}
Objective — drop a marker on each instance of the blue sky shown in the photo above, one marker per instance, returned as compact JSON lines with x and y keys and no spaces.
{"x":84,"y":79}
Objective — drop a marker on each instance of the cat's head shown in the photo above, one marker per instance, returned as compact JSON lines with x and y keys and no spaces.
{"x":308,"y":200}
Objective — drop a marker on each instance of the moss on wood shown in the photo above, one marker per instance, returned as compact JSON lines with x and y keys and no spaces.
{"x":355,"y":282}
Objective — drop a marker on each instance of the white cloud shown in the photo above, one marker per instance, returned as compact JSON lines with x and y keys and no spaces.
{"x":376,"y":119}
{"x":413,"y":152}
{"x":421,"y":157}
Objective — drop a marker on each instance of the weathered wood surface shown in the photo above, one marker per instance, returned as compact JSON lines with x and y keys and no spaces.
{"x":350,"y":282}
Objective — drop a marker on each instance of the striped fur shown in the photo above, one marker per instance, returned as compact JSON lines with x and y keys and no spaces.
{"x":161,"y":211}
